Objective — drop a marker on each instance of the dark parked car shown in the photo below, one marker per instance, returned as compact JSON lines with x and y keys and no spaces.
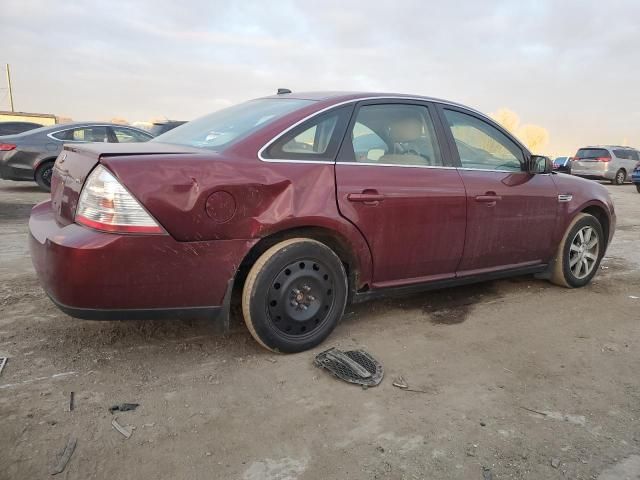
{"x":159,"y":128}
{"x":562,"y":164}
{"x":11,"y":128}
{"x":277,"y":198}
{"x":30,"y":155}
{"x":635,"y":177}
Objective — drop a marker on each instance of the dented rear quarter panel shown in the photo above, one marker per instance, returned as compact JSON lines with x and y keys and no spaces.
{"x":268,"y":197}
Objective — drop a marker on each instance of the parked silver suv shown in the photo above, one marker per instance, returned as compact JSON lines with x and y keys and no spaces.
{"x":605,"y":162}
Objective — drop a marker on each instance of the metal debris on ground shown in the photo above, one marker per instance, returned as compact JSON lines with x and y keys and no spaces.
{"x":486,"y":473}
{"x":555,"y":462}
{"x":534,"y":411}
{"x":123,"y":407}
{"x":353,"y":366}
{"x":401,"y":383}
{"x":66,"y":456}
{"x":71,"y":401}
{"x":3,"y":362}
{"x":124,"y":431}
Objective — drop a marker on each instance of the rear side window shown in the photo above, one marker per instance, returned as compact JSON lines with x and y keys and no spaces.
{"x":395,"y":134}
{"x":482,"y":146}
{"x":84,"y":134}
{"x":593,"y":153}
{"x":626,"y":154}
{"x":127,"y":135}
{"x":315,"y":140}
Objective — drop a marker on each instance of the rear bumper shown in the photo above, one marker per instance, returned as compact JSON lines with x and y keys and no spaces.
{"x":635,"y":177}
{"x":599,"y":171}
{"x":96,"y":275}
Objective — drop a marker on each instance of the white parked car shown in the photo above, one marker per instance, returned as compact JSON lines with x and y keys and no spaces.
{"x":605,"y":162}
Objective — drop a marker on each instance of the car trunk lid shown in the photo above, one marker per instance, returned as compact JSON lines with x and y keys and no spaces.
{"x":76,"y":161}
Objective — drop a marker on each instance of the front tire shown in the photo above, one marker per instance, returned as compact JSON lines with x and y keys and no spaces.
{"x":579,"y":252}
{"x":294,"y":295}
{"x":43,"y":176}
{"x":638,"y":187}
{"x":620,"y":177}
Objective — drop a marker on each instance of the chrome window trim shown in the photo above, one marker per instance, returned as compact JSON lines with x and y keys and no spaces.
{"x":374,"y":164}
{"x":346,"y":102}
{"x":490,"y":170}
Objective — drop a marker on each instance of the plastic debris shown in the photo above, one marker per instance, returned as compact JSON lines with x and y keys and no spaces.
{"x":353,"y":366}
{"x":124,"y":431}
{"x":3,"y":362}
{"x":66,"y":456}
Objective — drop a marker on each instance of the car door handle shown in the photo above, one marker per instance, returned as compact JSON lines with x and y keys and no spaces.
{"x":488,"y":198}
{"x":367,"y":198}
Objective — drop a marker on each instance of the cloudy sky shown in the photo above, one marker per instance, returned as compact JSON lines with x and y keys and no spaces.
{"x":571,"y":67}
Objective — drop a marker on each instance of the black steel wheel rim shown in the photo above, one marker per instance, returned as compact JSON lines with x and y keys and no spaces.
{"x":301,"y":297}
{"x":46,"y":176}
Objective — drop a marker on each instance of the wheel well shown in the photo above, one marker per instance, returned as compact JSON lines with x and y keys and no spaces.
{"x":602,"y":217}
{"x":329,"y":237}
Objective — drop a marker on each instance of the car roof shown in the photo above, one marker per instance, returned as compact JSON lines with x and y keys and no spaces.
{"x":340,"y":96}
{"x":609,"y":147}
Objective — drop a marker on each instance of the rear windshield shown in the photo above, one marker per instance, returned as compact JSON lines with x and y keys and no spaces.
{"x":592,"y":153}
{"x":218,"y":129}
{"x":560,"y":160}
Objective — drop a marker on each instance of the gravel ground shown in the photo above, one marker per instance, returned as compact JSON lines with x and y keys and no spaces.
{"x":521,"y":379}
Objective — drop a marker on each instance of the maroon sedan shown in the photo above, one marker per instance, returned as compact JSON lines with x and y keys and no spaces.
{"x":303,"y":202}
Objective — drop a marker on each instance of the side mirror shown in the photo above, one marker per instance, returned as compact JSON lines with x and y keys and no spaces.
{"x":539,"y":164}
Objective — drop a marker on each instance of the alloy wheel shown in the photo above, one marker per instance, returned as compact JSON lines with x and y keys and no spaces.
{"x":583,"y":254}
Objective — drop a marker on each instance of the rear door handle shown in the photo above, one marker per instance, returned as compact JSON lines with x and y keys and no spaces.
{"x":368,"y":198}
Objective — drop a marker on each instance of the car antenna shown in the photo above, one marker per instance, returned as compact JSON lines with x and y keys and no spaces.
{"x":282,"y":91}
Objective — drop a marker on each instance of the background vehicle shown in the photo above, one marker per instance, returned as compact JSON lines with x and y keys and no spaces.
{"x":562,"y":164}
{"x":159,"y":128}
{"x":279,"y":198}
{"x":30,"y":155}
{"x":11,"y":128}
{"x":607,"y":162}
{"x":635,"y":178}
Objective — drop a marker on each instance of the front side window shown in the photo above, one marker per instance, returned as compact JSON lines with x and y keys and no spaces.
{"x":395,"y":134}
{"x":481,"y":146}
{"x":219,"y":129}
{"x":84,"y":134}
{"x":127,"y":135}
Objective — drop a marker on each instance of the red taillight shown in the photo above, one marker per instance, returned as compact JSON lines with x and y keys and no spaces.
{"x":603,"y":159}
{"x":106,"y":205}
{"x":5,"y":147}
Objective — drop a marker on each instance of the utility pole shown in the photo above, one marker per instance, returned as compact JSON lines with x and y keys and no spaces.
{"x":10,"y":91}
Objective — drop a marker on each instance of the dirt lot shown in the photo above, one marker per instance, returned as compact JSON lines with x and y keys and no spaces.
{"x":488,"y":357}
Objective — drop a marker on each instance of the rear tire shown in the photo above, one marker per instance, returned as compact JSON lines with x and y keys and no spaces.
{"x":638,"y":187}
{"x":620,"y":177}
{"x":43,"y":176}
{"x":579,"y":253}
{"x":294,"y":295}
